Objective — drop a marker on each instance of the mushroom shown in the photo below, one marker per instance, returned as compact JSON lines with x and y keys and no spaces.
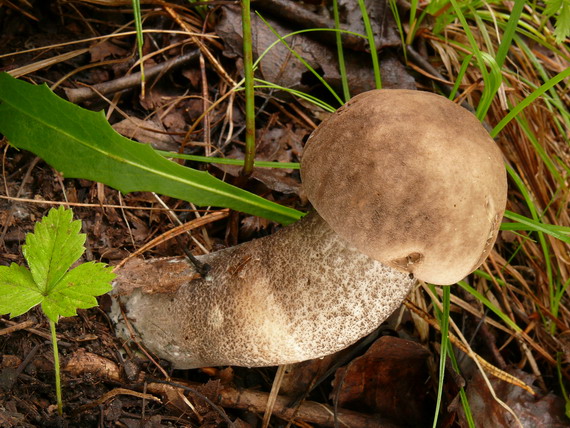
{"x":405,"y":184}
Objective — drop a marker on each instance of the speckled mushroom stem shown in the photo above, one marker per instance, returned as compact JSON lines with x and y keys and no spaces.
{"x":298,"y":294}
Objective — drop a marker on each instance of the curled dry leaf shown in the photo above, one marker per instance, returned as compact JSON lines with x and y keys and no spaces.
{"x":106,"y":49}
{"x":280,"y":66}
{"x":391,"y":379}
{"x":146,"y":131}
{"x":383,"y":24}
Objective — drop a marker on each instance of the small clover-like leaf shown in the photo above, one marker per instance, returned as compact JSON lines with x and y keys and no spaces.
{"x":18,"y":291}
{"x":77,"y":289}
{"x":53,"y":247}
{"x":50,"y":251}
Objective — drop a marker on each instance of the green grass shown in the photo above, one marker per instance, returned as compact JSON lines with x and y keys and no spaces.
{"x":340,"y":53}
{"x":140,"y":40}
{"x":371,"y":44}
{"x":442,"y":315}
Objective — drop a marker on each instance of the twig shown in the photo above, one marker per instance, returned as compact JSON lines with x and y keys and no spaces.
{"x":88,"y":205}
{"x":79,"y":95}
{"x":281,"y":370}
{"x":20,"y":326}
{"x":113,"y":393}
{"x":82,"y":363}
{"x":203,"y":48}
{"x":40,"y":333}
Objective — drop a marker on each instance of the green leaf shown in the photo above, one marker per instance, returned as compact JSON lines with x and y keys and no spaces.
{"x":53,"y":247}
{"x":561,"y":8}
{"x":50,"y":251}
{"x":562,"y":30}
{"x":81,"y":144}
{"x":77,"y":289}
{"x":18,"y":291}
{"x":552,"y":6}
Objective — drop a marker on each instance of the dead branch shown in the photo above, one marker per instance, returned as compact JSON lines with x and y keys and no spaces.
{"x":79,"y":95}
{"x":82,"y":363}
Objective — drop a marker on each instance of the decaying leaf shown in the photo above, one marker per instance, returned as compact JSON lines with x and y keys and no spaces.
{"x":280,"y":66}
{"x":545,"y":410}
{"x":146,"y":131}
{"x":391,"y":379}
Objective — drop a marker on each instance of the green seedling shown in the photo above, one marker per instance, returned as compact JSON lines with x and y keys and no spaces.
{"x":50,"y":251}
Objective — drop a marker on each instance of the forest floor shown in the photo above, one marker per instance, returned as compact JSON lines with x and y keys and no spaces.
{"x":388,"y":379}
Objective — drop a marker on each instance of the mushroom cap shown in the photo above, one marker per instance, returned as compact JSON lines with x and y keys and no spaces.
{"x":410,"y":179}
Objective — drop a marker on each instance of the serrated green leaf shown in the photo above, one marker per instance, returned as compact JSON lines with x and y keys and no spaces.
{"x":552,"y":6}
{"x":53,"y":247}
{"x":81,"y":144}
{"x":562,"y":31}
{"x":18,"y":291}
{"x":77,"y":289}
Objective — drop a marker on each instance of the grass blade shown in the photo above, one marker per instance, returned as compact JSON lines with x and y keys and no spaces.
{"x":340,"y":52}
{"x":227,"y":161}
{"x":140,"y":40}
{"x":444,"y":329}
{"x":301,"y":59}
{"x":509,"y":32}
{"x":526,"y":102}
{"x":509,"y":322}
{"x":371,"y":44}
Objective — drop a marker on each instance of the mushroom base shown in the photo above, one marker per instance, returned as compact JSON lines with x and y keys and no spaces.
{"x":298,"y":294}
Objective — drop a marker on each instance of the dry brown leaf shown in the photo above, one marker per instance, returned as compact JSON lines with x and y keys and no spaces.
{"x":391,"y":379}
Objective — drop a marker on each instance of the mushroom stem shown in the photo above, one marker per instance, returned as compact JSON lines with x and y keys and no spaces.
{"x":298,"y":294}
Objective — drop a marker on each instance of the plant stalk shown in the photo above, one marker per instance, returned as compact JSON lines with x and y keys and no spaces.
{"x":249,"y":90}
{"x":56,"y":367}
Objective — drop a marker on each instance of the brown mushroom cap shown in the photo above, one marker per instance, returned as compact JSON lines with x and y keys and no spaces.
{"x":411,"y":179}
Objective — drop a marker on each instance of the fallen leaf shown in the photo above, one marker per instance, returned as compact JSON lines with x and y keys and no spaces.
{"x":103,"y":50}
{"x":146,"y":131}
{"x":390,"y":379}
{"x":546,"y":410}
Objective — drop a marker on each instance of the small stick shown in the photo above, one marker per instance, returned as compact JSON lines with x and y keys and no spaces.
{"x":16,"y":327}
{"x":201,"y":268}
{"x":81,"y":363}
{"x":192,"y":224}
{"x":79,"y":95}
